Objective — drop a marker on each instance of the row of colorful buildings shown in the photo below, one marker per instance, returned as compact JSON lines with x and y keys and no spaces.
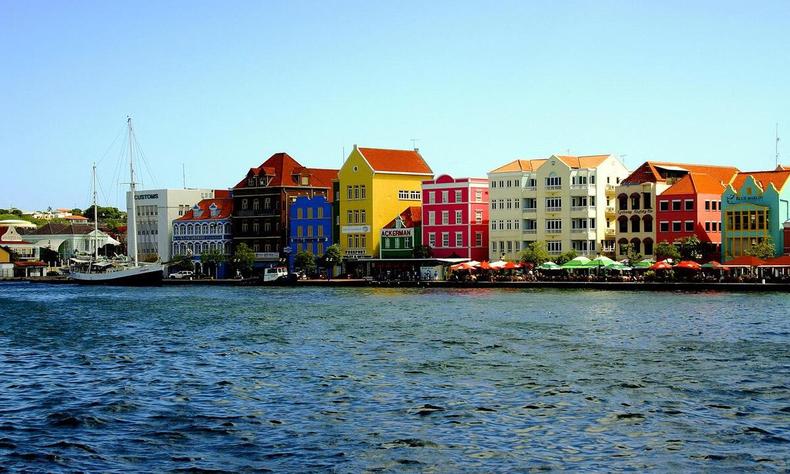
{"x":388,"y":205}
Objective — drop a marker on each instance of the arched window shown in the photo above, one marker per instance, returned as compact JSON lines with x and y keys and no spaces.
{"x":635,"y":220}
{"x":189,"y":247}
{"x":634,"y":200}
{"x":636,"y":244}
{"x":647,"y":224}
{"x":205,"y":229}
{"x":189,"y":229}
{"x":622,"y":202}
{"x":227,"y":248}
{"x":227,"y":228}
{"x":648,"y":246}
{"x":622,"y":223}
{"x":622,"y":245}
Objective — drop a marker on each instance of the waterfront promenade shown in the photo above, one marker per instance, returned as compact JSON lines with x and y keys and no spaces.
{"x":586,"y":285}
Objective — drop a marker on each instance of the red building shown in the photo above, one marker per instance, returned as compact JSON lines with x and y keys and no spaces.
{"x":691,"y":207}
{"x":455,"y":217}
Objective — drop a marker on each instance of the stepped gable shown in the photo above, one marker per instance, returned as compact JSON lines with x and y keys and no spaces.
{"x":395,"y":161}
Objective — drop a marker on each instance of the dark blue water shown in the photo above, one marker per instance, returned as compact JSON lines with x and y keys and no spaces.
{"x":243,"y":379}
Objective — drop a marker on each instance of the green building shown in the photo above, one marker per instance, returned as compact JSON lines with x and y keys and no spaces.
{"x":399,"y":237}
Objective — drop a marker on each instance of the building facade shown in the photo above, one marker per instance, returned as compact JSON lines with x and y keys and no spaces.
{"x":375,"y":185}
{"x":156,"y":210}
{"x":565,"y":201}
{"x":690,"y":208}
{"x":755,"y":207}
{"x":206,"y":227}
{"x":310,"y":227}
{"x":401,"y":235}
{"x":70,"y":239}
{"x":636,"y":201}
{"x":455,"y":217}
{"x":262,"y":202}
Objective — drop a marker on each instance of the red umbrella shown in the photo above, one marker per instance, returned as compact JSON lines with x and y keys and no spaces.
{"x":662,"y":265}
{"x":511,"y":266}
{"x":484,"y":265}
{"x":689,"y":265}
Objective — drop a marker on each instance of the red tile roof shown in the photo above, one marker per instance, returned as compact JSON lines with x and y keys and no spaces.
{"x":648,"y":172}
{"x":395,"y":161}
{"x":412,"y":217}
{"x":285,"y":171}
{"x":225,"y":207}
{"x":745,"y":261}
{"x":520,"y":165}
{"x":695,"y":183}
{"x":586,"y":161}
{"x":778,"y":178}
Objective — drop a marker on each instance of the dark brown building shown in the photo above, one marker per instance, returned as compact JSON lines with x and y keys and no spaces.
{"x":261,"y":204}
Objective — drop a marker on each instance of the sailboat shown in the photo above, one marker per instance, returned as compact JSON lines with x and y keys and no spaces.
{"x":130,"y":272}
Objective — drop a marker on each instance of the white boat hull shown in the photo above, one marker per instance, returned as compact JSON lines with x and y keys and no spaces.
{"x":146,"y":275}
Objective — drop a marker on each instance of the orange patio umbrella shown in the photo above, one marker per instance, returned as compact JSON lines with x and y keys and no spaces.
{"x":689,"y":265}
{"x":662,"y":265}
{"x":484,"y":265}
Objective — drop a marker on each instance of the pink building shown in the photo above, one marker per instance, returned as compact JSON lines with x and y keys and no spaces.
{"x":455,"y":217}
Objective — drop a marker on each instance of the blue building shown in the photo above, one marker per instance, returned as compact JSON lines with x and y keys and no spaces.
{"x":206,"y":228}
{"x":310,"y":226}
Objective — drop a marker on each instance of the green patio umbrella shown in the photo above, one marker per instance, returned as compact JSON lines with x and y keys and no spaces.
{"x":620,"y":267}
{"x":644,"y":264}
{"x":549,"y":266}
{"x":578,"y":262}
{"x":600,"y":261}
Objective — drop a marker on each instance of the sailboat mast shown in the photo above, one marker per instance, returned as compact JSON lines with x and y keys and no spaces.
{"x":132,"y":230}
{"x":95,"y":218}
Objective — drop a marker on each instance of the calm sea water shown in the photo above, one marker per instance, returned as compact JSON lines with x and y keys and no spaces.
{"x":249,"y":379}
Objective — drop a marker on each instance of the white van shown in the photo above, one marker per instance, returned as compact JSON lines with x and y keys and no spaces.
{"x":275,"y":274}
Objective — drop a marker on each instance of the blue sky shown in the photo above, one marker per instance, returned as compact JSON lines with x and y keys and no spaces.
{"x":220,"y":86}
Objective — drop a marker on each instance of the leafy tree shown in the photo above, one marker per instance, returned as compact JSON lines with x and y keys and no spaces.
{"x":422,"y":251}
{"x":332,"y":257}
{"x":305,"y":261}
{"x":106,"y":213}
{"x":182,"y":262}
{"x":763,"y":249}
{"x":535,"y":253}
{"x":665,"y":250}
{"x":631,"y":254}
{"x":76,"y":211}
{"x":210,"y":259}
{"x":243,"y":258}
{"x":691,"y":248}
{"x":566,"y":257}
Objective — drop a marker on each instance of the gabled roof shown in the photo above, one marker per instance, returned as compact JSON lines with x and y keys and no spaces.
{"x":395,"y":161}
{"x":520,"y":165}
{"x":778,"y":178}
{"x":286,"y":171}
{"x":224,"y":205}
{"x":650,"y":172}
{"x":70,"y":228}
{"x":585,"y":161}
{"x":3,"y":230}
{"x":412,"y":217}
{"x":695,"y":183}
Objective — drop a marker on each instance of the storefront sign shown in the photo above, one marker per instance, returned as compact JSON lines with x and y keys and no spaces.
{"x":355,"y":229}
{"x":138,"y":197}
{"x":397,"y":232}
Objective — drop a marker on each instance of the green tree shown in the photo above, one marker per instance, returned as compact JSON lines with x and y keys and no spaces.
{"x":763,"y":249}
{"x":332,"y":257}
{"x":243,"y":259}
{"x":690,"y":248}
{"x":105,"y":213}
{"x":210,"y":260}
{"x":665,"y":250}
{"x":305,"y":261}
{"x":182,"y":262}
{"x":76,"y":211}
{"x":421,"y":251}
{"x":631,"y":254}
{"x":535,"y":253}
{"x":566,"y":257}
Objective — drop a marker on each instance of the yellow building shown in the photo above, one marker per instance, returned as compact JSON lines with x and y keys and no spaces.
{"x":375,"y":186}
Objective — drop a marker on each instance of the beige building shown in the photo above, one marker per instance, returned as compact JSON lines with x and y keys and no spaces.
{"x":565,"y":201}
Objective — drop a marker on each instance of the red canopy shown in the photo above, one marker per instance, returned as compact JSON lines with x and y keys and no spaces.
{"x":462,"y":266}
{"x":484,"y":265}
{"x":689,"y":265}
{"x":662,"y":265}
{"x":783,"y":261}
{"x":511,"y":266}
{"x":745,"y":261}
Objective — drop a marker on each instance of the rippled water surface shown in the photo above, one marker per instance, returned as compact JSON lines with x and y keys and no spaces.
{"x":245,"y":379}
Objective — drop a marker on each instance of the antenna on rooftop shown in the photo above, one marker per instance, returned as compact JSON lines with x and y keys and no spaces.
{"x":184,"y":175}
{"x":777,"y":144}
{"x":414,"y":143}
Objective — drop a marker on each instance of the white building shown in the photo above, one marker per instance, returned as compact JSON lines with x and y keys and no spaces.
{"x":156,"y":211}
{"x":565,"y":201}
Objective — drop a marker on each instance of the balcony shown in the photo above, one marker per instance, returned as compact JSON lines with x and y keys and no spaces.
{"x":585,"y":209}
{"x":610,"y":211}
{"x":530,"y":188}
{"x":530,"y":209}
{"x":256,"y":213}
{"x":581,"y":231}
{"x":610,"y":190}
{"x":530,"y":231}
{"x":554,"y":231}
{"x":553,"y":187}
{"x":609,"y":233}
{"x":553,"y":209}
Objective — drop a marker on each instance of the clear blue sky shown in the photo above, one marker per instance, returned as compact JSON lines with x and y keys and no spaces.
{"x":220,"y":86}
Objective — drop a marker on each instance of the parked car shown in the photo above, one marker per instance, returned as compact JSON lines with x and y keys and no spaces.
{"x":182,"y":274}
